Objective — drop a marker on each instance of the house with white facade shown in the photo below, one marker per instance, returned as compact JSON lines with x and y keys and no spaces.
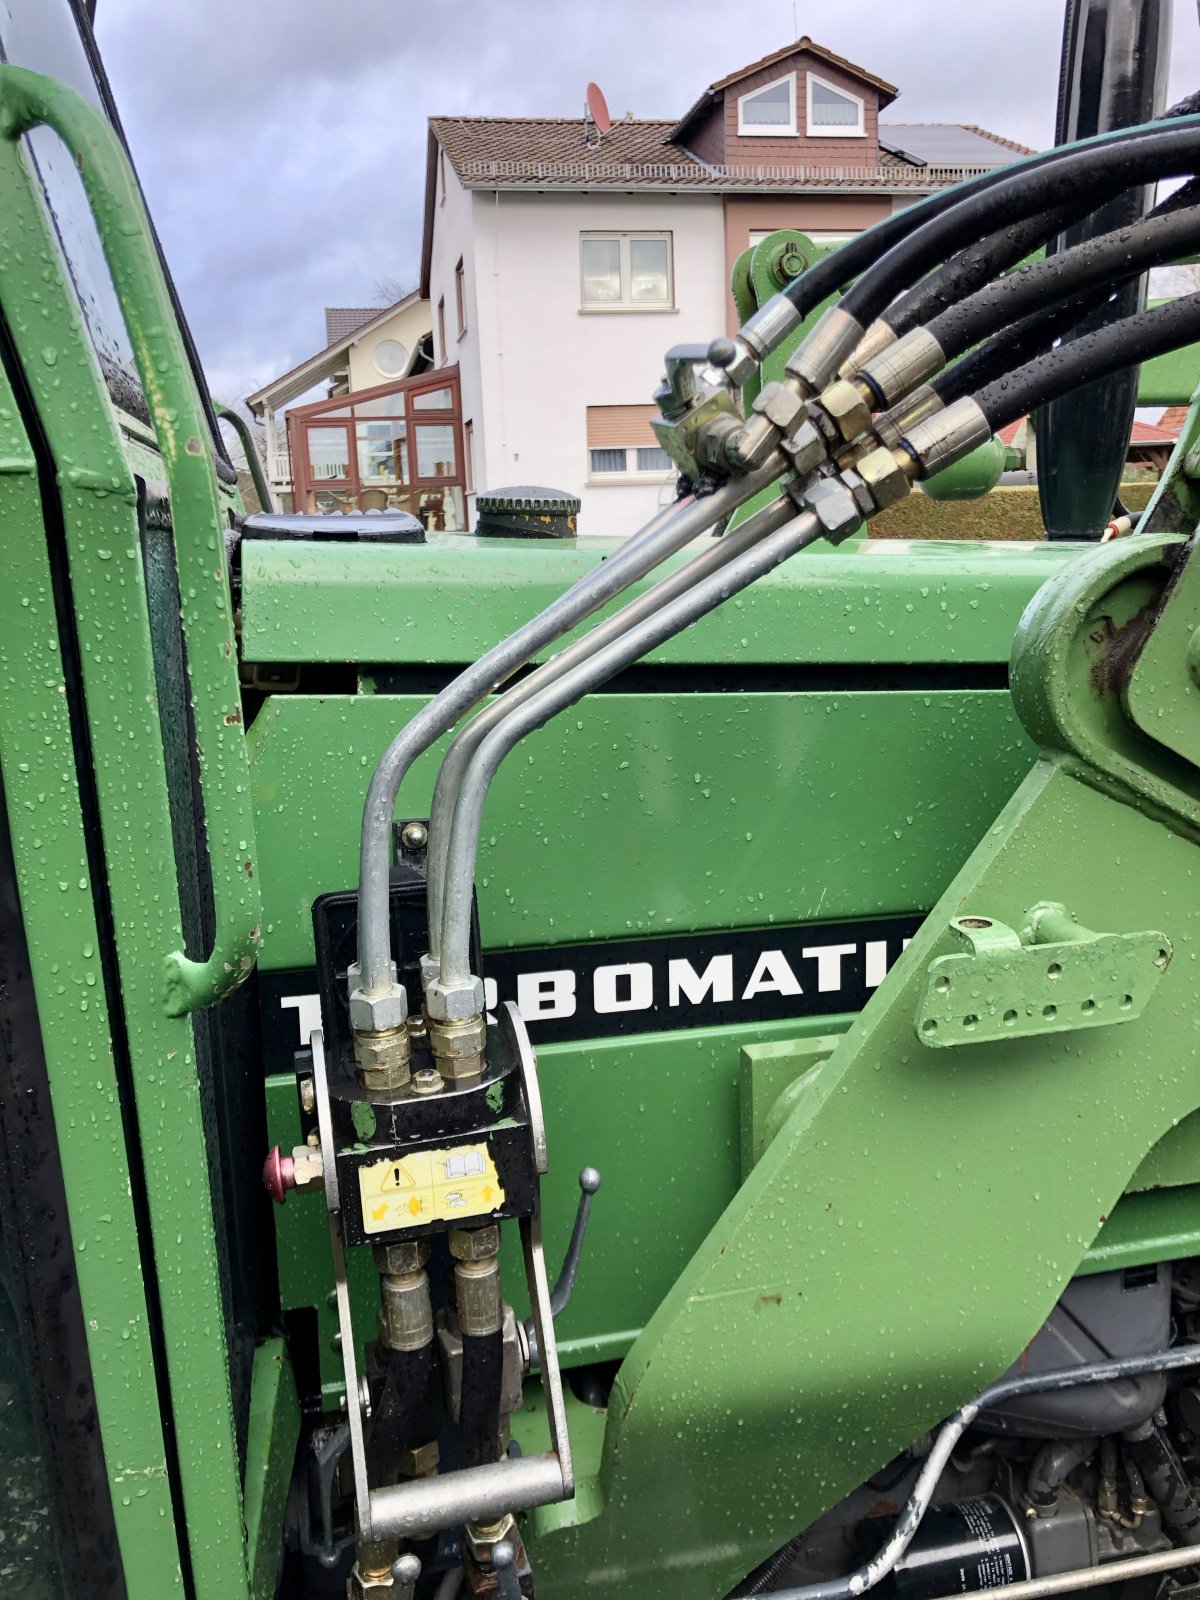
{"x":560,"y":269}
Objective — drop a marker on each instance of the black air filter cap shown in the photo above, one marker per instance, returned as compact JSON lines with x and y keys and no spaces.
{"x":526,"y":511}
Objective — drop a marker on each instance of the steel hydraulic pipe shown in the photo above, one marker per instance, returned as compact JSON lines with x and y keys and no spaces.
{"x":884,"y":1561}
{"x":668,"y":620}
{"x":456,"y":760}
{"x":639,"y":555}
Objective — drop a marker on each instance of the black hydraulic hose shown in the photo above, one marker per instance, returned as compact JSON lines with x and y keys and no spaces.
{"x":407,"y":1414}
{"x":1095,"y":172}
{"x":1105,"y":261}
{"x":479,"y":1408}
{"x":1035,"y":333}
{"x":1166,"y":1480}
{"x":977,"y":265}
{"x":1094,"y":355}
{"x":834,"y":271}
{"x":1052,"y":1466}
{"x":1030,"y":337}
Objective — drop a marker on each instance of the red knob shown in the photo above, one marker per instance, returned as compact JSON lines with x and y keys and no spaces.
{"x":279,"y":1175}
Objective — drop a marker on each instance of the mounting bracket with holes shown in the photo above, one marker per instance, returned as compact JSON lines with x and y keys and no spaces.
{"x":1051,"y":977}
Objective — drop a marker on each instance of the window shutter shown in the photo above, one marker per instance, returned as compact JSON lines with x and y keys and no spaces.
{"x":619,"y":425}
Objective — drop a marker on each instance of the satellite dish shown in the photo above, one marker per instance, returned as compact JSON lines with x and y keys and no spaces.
{"x":596,"y":120}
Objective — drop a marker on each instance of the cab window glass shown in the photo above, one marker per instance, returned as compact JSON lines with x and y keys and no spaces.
{"x":42,"y":35}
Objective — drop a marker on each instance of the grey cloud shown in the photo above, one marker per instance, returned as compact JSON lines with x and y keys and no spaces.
{"x":282,"y":142}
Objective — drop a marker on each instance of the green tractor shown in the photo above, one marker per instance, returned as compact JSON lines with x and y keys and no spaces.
{"x":844,"y":917}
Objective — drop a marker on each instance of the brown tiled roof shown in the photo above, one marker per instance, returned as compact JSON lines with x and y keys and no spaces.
{"x":341,"y":321}
{"x":549,"y":152}
{"x":998,"y":138}
{"x":472,"y":142}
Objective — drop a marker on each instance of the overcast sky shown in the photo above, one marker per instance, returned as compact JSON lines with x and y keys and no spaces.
{"x":281,"y":143}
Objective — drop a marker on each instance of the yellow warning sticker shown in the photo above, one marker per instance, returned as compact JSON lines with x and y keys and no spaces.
{"x":429,"y":1186}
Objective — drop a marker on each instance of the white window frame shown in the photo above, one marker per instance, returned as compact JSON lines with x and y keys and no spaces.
{"x":632,"y":474}
{"x":623,"y":237}
{"x":776,"y":130}
{"x":841,"y":130}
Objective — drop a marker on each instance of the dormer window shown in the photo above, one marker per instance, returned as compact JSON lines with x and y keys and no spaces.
{"x":833,"y":113}
{"x":769,"y":112}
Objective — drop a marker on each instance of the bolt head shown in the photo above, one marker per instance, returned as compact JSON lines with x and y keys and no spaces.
{"x":454,"y":1002}
{"x":427,"y":1081}
{"x":414,"y":836}
{"x":308,"y":1095}
{"x":378,"y":1013}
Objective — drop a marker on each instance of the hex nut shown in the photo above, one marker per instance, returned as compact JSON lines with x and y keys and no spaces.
{"x":308,"y":1168}
{"x":376,"y":1013}
{"x":458,"y":1047}
{"x":806,"y":448}
{"x":481,"y":1536}
{"x":454,"y":1002}
{"x":858,"y":489}
{"x":409,"y":1255}
{"x":834,"y":507}
{"x":474,"y":1244}
{"x":381,"y":1060}
{"x":850,"y":413}
{"x":881,"y":473}
{"x":376,"y":1586}
{"x":781,"y":404}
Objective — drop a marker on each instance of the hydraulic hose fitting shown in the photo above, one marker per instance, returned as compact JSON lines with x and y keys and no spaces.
{"x":456,"y":1027}
{"x":876,"y":481}
{"x":383,"y":1058}
{"x":939,"y":441}
{"x":382,"y":1048}
{"x":818,"y":356}
{"x":477,"y":1280}
{"x":889,"y":427}
{"x":877,"y":337}
{"x":741,"y":356}
{"x":405,"y":1310}
{"x":896,"y":371}
{"x":775,"y":412}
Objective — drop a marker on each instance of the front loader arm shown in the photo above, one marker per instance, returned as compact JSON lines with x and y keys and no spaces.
{"x":915,"y":1219}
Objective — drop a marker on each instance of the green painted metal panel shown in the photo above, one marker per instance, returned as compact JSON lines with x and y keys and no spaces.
{"x":710,"y":810}
{"x":866,"y":1223}
{"x":877,"y":601}
{"x":270,"y":1450}
{"x":56,"y":904}
{"x":98,"y":499}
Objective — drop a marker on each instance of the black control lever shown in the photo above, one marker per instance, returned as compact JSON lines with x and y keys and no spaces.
{"x":564,"y":1288}
{"x":504,"y":1558}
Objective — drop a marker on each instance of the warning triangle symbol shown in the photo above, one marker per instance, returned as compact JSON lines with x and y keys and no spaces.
{"x":396,"y":1177}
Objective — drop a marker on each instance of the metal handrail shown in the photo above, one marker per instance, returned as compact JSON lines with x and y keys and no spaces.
{"x":27,"y":101}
